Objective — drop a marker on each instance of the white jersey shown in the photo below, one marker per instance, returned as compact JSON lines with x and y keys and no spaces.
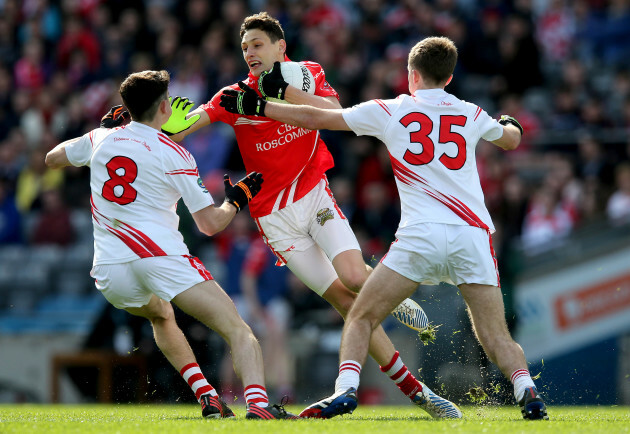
{"x":137,"y":175}
{"x":431,"y":137}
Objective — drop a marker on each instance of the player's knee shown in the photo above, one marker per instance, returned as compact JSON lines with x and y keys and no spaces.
{"x":340,"y":297}
{"x":163,"y":312}
{"x":239,"y":331}
{"x":353,"y":280}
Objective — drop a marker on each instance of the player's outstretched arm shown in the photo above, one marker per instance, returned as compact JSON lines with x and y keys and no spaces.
{"x":247,"y":102}
{"x":512,"y":133}
{"x":213,"y":219}
{"x":57,"y":158}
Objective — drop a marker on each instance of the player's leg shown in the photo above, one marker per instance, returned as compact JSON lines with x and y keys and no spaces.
{"x":208,"y":303}
{"x":171,"y":341}
{"x":211,"y":305}
{"x":125,"y":288}
{"x":487,"y":314}
{"x":351,"y":269}
{"x":383,"y":291}
{"x":470,"y":245}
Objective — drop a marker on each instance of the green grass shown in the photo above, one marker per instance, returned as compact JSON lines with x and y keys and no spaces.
{"x":186,"y":419}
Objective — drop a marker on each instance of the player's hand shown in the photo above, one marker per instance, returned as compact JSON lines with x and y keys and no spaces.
{"x":271,"y":83}
{"x":178,"y":122}
{"x":241,"y":193}
{"x":115,"y":117}
{"x":245,"y":102}
{"x":505,"y":119}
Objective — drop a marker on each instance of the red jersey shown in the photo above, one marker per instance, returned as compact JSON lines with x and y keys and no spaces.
{"x":291,"y":159}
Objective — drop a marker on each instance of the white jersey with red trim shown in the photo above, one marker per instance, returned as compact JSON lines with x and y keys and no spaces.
{"x":431,"y":137}
{"x":292,"y":160}
{"x":137,"y":175}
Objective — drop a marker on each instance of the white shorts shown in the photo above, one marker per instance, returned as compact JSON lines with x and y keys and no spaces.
{"x":132,"y":284}
{"x":433,"y":252}
{"x":307,"y":235}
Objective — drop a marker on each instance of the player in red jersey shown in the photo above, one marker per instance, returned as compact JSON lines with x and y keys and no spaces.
{"x":445,"y":228}
{"x":295,"y":212}
{"x":141,"y":264}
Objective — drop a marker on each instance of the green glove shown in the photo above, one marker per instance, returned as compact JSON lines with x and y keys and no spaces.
{"x":178,"y":122}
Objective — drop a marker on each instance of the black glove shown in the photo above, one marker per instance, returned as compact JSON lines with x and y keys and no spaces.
{"x":271,"y":84}
{"x":505,"y":119}
{"x":115,"y":117}
{"x":241,"y":193}
{"x":245,"y":102}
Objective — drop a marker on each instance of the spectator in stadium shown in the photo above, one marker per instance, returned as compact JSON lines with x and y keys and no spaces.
{"x":53,"y":225}
{"x":10,"y":222}
{"x":141,"y":263}
{"x":618,"y":208}
{"x":445,"y":227}
{"x":33,"y":179}
{"x":296,"y":213}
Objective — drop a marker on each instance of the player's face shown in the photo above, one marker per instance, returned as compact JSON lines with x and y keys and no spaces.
{"x":259,"y":52}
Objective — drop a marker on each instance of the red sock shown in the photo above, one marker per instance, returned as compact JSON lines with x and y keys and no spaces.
{"x":197,"y":382}
{"x":256,"y":394}
{"x":397,"y":371}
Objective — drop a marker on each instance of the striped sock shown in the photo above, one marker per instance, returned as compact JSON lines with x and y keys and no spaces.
{"x":349,"y":372}
{"x":197,"y":382}
{"x":256,"y":394}
{"x":521,"y":380}
{"x":398,"y":372}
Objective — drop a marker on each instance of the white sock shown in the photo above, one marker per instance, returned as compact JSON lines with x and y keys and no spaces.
{"x":349,"y":372}
{"x":521,"y":380}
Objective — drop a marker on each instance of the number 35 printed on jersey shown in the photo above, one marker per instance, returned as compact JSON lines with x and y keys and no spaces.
{"x":428,"y":147}
{"x":124,"y":180}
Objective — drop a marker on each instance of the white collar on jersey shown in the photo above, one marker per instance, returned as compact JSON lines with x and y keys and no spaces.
{"x":430,"y":93}
{"x":141,"y":126}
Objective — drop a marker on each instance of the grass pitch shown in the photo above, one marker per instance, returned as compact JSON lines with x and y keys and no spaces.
{"x":186,"y":419}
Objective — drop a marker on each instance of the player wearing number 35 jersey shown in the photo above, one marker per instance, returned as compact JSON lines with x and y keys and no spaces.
{"x":444,"y":232}
{"x":141,"y":264}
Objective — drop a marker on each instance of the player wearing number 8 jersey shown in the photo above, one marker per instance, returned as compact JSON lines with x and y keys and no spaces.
{"x":444,"y":232}
{"x":141,"y":264}
{"x":322,"y":252}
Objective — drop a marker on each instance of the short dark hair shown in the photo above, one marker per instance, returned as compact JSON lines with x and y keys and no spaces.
{"x":264,"y":22}
{"x":142,"y":93}
{"x":434,"y":58}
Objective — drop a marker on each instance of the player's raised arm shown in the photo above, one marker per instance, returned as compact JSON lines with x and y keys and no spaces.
{"x":512,"y":133}
{"x":247,"y":102}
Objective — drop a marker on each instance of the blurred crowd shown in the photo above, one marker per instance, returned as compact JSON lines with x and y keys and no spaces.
{"x":562,"y":68}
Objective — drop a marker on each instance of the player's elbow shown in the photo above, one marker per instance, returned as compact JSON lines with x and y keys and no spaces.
{"x":52,"y":162}
{"x":210,"y":228}
{"x":512,"y":144}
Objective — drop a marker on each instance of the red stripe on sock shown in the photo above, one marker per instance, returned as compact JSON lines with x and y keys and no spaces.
{"x":349,"y":368}
{"x":257,"y":386}
{"x":203,"y":390}
{"x":410,"y":386}
{"x":187,"y":367}
{"x":399,"y":374}
{"x":518,"y":373}
{"x":195,"y":377}
{"x":391,"y":363}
